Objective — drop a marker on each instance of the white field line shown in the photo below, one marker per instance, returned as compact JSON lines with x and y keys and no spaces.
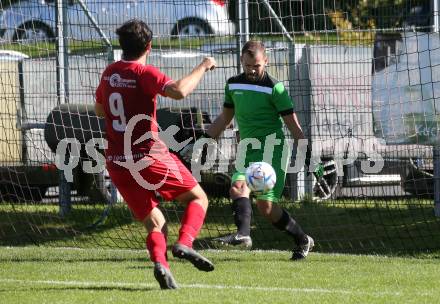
{"x":200,"y":286}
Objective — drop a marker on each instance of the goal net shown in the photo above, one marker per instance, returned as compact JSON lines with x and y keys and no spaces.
{"x":363,"y":78}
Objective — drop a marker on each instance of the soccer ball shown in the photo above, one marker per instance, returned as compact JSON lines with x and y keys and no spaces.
{"x":260,"y":177}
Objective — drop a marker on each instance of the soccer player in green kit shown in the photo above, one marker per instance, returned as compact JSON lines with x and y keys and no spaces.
{"x":260,"y":105}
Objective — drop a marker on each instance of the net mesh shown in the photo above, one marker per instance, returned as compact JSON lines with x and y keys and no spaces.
{"x":354,"y":69}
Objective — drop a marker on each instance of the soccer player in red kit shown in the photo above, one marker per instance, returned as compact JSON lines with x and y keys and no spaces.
{"x":142,"y":164}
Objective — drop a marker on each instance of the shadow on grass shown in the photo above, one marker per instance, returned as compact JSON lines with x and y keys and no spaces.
{"x":82,"y":259}
{"x":396,"y":227}
{"x":38,"y":224}
{"x":83,"y":288}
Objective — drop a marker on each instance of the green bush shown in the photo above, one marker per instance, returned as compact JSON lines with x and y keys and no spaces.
{"x":312,"y":15}
{"x":6,"y":3}
{"x":296,"y":16}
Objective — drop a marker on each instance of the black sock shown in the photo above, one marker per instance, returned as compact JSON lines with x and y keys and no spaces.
{"x":242,"y":215}
{"x":288,"y":224}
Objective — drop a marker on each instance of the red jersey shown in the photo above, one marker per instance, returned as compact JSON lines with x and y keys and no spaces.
{"x":126,"y":89}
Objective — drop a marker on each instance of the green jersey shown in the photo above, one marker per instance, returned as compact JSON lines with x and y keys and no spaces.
{"x":258,"y":106}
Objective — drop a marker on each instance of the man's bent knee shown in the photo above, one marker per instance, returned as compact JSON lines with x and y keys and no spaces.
{"x":239,"y":189}
{"x":196,"y":195}
{"x":265,"y":208}
{"x":269,"y":210}
{"x":234,"y":193}
{"x":154,"y":221}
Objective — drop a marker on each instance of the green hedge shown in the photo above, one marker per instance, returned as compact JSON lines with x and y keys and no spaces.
{"x":6,"y":3}
{"x":310,"y":15}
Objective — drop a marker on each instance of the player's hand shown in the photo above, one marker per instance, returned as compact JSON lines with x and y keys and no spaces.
{"x":319,"y":171}
{"x":209,"y":63}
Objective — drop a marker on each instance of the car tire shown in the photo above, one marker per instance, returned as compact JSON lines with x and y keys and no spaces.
{"x":191,"y":27}
{"x":329,"y":185}
{"x":33,"y":32}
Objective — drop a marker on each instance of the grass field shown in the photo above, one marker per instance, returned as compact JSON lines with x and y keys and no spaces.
{"x":63,"y":275}
{"x":401,"y":231}
{"x":339,"y":226}
{"x":48,"y":49}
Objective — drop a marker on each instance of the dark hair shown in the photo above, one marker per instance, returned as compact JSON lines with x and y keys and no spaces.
{"x":134,"y":35}
{"x":252,"y":47}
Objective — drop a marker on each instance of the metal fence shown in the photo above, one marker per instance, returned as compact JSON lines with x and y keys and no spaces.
{"x":332,"y":57}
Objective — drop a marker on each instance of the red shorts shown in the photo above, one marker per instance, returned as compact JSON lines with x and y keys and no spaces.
{"x":169,"y":170}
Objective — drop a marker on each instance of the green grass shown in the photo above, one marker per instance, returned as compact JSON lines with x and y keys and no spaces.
{"x":76,"y":47}
{"x":391,"y":227}
{"x":50,"y":275}
{"x":96,"y":274}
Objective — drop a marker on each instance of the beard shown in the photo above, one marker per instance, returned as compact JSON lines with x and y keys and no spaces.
{"x":254,"y":77}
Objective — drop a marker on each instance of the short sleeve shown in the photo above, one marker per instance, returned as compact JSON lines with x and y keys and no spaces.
{"x":281,"y":99}
{"x":229,"y":103}
{"x":154,"y":81}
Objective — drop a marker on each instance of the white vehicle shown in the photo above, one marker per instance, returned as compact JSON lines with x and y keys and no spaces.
{"x":405,"y":88}
{"x":405,"y":102}
{"x":34,"y":20}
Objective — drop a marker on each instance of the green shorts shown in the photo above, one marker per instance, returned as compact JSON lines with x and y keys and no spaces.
{"x":278,"y":163}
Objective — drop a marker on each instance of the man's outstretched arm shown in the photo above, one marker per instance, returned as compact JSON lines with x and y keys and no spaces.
{"x":184,"y":86}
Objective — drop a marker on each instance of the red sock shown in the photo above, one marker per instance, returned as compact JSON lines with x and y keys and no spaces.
{"x":157,"y":247}
{"x":192,"y":222}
